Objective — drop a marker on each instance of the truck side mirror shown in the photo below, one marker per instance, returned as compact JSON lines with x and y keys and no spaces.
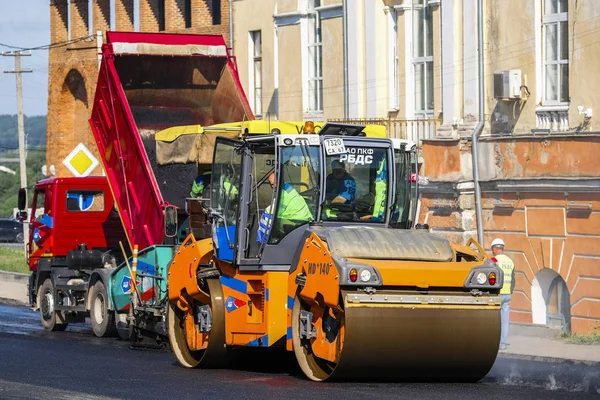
{"x":171,"y":227}
{"x":22,"y":203}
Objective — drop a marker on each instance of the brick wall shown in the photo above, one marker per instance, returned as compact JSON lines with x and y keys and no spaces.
{"x":101,"y":15}
{"x":58,"y":20}
{"x":149,"y":15}
{"x":124,"y":15}
{"x":79,"y":18}
{"x":202,"y":19}
{"x":174,"y":11}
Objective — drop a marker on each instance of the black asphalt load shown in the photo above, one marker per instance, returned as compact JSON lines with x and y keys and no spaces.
{"x":75,"y":365}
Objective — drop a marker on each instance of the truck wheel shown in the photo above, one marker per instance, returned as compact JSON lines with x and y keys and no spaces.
{"x":50,"y":318}
{"x":19,"y":238}
{"x":103,"y":319}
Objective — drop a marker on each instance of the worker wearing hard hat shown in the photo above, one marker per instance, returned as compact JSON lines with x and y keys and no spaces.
{"x":509,"y":284}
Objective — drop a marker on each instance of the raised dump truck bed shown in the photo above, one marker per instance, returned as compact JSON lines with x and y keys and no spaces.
{"x":149,"y":82}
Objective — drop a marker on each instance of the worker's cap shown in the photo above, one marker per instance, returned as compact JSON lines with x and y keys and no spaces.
{"x":337,"y":164}
{"x":498,"y":242}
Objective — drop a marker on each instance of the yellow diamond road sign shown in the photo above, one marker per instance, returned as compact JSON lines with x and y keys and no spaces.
{"x":81,"y":162}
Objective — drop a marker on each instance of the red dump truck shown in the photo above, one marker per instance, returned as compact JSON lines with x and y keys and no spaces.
{"x":147,"y":82}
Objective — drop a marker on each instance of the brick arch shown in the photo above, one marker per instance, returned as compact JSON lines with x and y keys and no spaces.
{"x":73,"y":114}
{"x":74,"y":85}
{"x":73,"y":102}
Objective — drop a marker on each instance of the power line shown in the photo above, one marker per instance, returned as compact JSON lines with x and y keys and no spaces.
{"x":7,"y":149}
{"x":48,"y":46}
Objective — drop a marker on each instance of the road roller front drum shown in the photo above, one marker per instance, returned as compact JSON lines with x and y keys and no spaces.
{"x":210,"y":325}
{"x":405,"y":342}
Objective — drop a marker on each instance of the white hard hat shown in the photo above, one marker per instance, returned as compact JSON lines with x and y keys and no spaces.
{"x":498,"y":242}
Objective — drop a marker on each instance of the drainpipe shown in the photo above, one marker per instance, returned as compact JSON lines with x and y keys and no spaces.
{"x":345,"y":56}
{"x":231,"y":25}
{"x":480,"y":124}
{"x":99,"y":47}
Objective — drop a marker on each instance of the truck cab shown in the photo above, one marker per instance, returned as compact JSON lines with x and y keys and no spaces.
{"x":68,"y":246}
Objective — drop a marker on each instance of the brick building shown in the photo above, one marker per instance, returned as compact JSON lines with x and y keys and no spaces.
{"x":73,"y":61}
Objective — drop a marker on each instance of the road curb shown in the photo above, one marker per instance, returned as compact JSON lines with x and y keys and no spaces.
{"x":12,"y":302}
{"x":13,"y":287}
{"x":14,"y":277}
{"x":545,"y":359}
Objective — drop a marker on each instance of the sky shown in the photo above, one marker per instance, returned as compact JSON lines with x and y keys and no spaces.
{"x":25,"y":23}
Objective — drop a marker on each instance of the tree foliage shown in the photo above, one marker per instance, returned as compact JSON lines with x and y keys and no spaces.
{"x":35,"y":132}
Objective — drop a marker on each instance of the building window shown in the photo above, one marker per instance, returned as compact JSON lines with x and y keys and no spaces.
{"x":256,"y":72}
{"x":315,"y":67}
{"x":393,"y":59}
{"x":555,"y":51}
{"x":187,"y":13}
{"x":422,"y":57}
{"x":161,"y":15}
{"x":216,"y":12}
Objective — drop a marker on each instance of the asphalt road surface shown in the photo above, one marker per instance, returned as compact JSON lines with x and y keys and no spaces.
{"x":76,"y":365}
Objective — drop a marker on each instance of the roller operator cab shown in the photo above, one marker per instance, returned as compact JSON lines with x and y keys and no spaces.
{"x":313,"y":249}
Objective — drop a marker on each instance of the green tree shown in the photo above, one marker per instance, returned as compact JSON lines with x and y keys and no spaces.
{"x":35,"y":129}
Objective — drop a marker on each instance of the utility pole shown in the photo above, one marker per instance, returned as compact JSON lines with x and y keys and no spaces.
{"x":23,"y":165}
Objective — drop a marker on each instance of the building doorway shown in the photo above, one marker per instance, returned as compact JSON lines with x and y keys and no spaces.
{"x":551,"y":301}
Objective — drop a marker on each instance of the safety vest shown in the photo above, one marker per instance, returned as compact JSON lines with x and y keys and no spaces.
{"x":380,"y":193}
{"x":508,"y":267}
{"x":292,"y":206}
{"x":200,"y":184}
{"x":230,"y":190}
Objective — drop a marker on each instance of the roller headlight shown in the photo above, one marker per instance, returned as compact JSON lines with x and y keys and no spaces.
{"x":481,"y":278}
{"x":365,"y":275}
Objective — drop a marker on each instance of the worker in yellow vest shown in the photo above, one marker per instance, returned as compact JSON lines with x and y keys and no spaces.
{"x":292,"y":207}
{"x":508,"y":267}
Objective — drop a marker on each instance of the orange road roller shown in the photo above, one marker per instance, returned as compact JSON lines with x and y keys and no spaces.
{"x":312,"y":246}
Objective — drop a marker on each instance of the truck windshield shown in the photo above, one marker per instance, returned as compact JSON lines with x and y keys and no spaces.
{"x":298,"y":195}
{"x":356,"y":185}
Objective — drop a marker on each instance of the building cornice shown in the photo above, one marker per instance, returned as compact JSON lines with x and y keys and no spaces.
{"x":290,"y":18}
{"x":331,"y":11}
{"x":402,"y":8}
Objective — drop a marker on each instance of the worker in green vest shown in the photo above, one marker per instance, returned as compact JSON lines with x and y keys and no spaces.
{"x":201,"y":186}
{"x":380,"y":193}
{"x":292,"y":207}
{"x":202,"y":181}
{"x":380,"y":189}
{"x":508,"y":267}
